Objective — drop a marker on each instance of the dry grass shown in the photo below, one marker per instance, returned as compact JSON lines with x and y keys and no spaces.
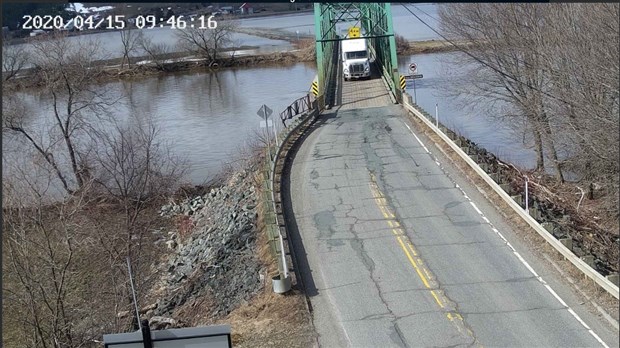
{"x":307,"y":50}
{"x":271,"y":319}
{"x":428,"y":46}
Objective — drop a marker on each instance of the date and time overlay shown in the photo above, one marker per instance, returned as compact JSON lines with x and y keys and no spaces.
{"x":117,"y":22}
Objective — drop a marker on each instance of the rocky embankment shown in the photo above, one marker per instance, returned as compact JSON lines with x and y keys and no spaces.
{"x":216,"y":259}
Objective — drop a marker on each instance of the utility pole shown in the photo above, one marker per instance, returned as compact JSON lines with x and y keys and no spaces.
{"x":133,"y":293}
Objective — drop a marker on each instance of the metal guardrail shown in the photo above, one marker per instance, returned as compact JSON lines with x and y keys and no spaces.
{"x":567,"y":253}
{"x":306,"y":109}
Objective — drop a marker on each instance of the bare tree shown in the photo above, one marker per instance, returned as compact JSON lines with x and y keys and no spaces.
{"x":67,"y":70}
{"x":208,"y":42}
{"x":582,"y":60}
{"x":555,"y":68}
{"x":130,"y":39}
{"x":136,"y":169}
{"x":156,"y":51}
{"x":14,"y":59}
{"x":64,"y":269}
{"x":402,"y":45}
{"x":41,"y":276}
{"x":502,"y":51}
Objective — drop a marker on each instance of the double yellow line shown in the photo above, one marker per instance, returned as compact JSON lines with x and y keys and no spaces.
{"x":413,"y":257}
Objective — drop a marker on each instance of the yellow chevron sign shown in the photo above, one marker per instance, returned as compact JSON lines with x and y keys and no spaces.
{"x":403,"y":83}
{"x":315,"y":87}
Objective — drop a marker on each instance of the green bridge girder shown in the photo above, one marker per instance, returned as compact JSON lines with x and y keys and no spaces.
{"x":375,"y":21}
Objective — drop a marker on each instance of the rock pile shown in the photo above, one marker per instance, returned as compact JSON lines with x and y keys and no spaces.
{"x":187,"y":207}
{"x":218,"y":258}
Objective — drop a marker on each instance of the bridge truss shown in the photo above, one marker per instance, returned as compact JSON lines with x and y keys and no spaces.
{"x":375,"y":21}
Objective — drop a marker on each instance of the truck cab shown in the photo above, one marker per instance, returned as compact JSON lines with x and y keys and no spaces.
{"x":355,"y":60}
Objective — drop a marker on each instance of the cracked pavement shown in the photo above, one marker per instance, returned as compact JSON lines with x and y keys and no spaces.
{"x":364,"y":291}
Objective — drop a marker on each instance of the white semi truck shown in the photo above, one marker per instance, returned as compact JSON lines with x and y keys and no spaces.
{"x":355,"y":62}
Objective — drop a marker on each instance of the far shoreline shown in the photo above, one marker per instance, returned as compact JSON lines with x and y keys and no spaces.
{"x":176,"y":62}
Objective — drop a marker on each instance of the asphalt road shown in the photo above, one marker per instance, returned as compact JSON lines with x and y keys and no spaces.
{"x":393,"y":253}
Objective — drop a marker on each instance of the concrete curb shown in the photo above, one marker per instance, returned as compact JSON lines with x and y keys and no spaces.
{"x":588,"y":271}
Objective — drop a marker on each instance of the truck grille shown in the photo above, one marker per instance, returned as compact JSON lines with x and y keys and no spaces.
{"x":357,"y":68}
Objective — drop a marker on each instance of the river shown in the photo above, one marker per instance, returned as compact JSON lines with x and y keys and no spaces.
{"x":208,"y":116}
{"x":110,"y":45}
{"x":404,"y":24}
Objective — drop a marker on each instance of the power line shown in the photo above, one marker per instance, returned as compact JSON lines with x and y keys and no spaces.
{"x":426,"y":13}
{"x":483,"y":62}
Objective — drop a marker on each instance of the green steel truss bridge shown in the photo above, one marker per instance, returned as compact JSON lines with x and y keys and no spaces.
{"x":394,"y":244}
{"x":375,"y":21}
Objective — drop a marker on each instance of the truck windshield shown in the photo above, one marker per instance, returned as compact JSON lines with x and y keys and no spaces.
{"x":356,"y":55}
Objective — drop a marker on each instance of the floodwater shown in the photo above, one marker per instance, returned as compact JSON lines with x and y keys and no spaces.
{"x":111,"y":46}
{"x":208,"y":116}
{"x":471,"y":121}
{"x":404,"y":22}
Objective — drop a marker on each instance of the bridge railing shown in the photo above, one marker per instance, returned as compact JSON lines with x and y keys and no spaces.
{"x":304,"y":110}
{"x":299,"y":106}
{"x":580,"y":264}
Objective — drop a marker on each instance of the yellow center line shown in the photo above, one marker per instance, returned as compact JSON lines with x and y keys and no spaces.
{"x":407,"y":246}
{"x":412,"y":261}
{"x":398,"y":232}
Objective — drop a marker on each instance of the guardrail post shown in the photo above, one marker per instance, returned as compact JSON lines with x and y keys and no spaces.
{"x":610,"y":284}
{"x":527,"y":198}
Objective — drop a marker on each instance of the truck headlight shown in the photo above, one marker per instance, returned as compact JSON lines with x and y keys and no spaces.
{"x":346,"y":71}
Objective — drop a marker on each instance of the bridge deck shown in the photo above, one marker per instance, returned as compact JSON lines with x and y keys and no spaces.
{"x":392,"y":253}
{"x":359,"y":94}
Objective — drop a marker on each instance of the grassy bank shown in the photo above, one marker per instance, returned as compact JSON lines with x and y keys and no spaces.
{"x":113,"y":69}
{"x":429,"y":46}
{"x":175,"y":62}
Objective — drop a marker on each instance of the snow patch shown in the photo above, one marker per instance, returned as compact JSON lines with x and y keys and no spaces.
{"x":80,"y":8}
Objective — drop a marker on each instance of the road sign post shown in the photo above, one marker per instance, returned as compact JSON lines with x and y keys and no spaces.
{"x":265,"y":112}
{"x":275,"y":133}
{"x":527,"y":198}
{"x":413,"y":68}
